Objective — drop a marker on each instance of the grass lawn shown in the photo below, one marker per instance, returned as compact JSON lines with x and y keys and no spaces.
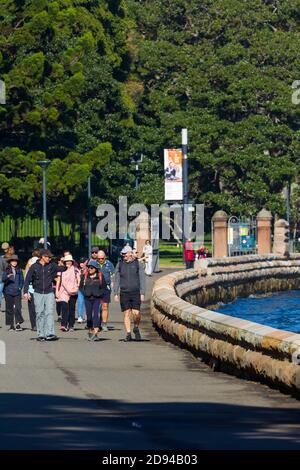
{"x":170,"y":256}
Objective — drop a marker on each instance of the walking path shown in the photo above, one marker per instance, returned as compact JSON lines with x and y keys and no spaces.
{"x":73,"y":394}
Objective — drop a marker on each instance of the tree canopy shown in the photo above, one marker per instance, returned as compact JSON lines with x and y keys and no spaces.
{"x":223,"y":69}
{"x":92,"y":85}
{"x":64,"y":63}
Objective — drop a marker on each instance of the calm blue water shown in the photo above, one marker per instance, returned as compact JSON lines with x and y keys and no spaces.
{"x":280,"y":310}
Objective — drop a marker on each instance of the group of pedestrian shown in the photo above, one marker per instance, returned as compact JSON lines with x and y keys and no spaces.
{"x":50,"y":286}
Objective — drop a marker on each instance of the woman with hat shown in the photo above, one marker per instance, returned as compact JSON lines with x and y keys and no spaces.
{"x":93,"y":286}
{"x":13,"y":284}
{"x":66,"y":292}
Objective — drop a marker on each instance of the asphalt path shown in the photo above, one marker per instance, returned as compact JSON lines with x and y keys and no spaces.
{"x":74,"y":394}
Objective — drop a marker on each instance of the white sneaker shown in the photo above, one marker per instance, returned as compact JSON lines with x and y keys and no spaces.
{"x":79,"y":320}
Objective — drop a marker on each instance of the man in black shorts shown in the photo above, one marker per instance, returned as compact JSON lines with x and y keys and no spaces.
{"x":130,"y":286}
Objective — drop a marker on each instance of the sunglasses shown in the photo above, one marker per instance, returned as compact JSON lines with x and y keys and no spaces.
{"x":93,"y":252}
{"x":101,"y":258}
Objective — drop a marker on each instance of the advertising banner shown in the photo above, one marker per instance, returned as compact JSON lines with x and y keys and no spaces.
{"x":173,"y":174}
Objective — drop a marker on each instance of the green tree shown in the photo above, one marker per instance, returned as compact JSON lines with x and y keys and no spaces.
{"x":224,"y":69}
{"x":64,"y":63}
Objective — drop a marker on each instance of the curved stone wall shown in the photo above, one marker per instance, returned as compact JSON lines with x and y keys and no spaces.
{"x":179,"y":310}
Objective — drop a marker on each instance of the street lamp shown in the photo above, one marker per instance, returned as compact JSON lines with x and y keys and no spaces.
{"x":137,"y":172}
{"x":44,"y":165}
{"x":89,"y":217}
{"x":185,"y":185}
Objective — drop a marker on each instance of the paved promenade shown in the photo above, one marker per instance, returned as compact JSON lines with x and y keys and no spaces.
{"x":73,"y":394}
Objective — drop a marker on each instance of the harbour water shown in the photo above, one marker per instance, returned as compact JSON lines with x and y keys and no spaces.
{"x":280,"y":310}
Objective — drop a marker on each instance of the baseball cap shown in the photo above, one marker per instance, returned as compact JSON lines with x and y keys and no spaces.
{"x":5,"y":246}
{"x":94,"y":264}
{"x":44,"y":252}
{"x":126,"y":249}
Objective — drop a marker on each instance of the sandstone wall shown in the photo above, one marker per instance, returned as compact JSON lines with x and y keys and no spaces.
{"x":179,"y":309}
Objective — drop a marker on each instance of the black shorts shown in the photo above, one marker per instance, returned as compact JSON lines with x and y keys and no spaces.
{"x":130,"y":300}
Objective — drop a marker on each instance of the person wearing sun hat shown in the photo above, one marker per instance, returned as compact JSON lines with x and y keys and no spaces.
{"x":13,"y":284}
{"x":67,"y":292}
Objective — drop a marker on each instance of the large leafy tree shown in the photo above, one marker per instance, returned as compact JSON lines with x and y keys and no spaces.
{"x":224,"y":69}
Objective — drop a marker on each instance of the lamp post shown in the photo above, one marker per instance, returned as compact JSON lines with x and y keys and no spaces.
{"x":185,"y":185}
{"x":44,"y":165}
{"x":137,"y":173}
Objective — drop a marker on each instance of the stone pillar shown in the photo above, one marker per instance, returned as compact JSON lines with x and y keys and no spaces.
{"x":281,"y":238}
{"x":220,"y":236}
{"x":142,"y":231}
{"x":264,"y":222}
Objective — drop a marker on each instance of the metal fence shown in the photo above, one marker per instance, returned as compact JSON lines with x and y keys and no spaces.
{"x":24,"y":234}
{"x":241,"y":236}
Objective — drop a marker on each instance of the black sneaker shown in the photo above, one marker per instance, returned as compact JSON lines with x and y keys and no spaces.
{"x":10,"y":328}
{"x":18,"y":327}
{"x":128,"y":337}
{"x":137,"y":333}
{"x":51,"y":338}
{"x":41,"y":338}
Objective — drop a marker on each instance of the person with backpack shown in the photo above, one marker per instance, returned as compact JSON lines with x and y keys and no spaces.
{"x":66,"y":293}
{"x":13,"y":284}
{"x":93,"y":286}
{"x":130,"y":288}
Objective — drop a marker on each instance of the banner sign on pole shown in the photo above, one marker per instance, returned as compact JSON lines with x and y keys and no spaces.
{"x":173,"y":174}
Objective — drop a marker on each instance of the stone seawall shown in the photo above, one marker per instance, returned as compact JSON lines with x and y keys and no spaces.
{"x":179,"y":309}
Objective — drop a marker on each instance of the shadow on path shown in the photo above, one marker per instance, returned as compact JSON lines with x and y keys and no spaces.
{"x":58,"y":422}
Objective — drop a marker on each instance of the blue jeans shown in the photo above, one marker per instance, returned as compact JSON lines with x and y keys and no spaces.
{"x":44,"y":307}
{"x":1,"y":291}
{"x":80,"y":305}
